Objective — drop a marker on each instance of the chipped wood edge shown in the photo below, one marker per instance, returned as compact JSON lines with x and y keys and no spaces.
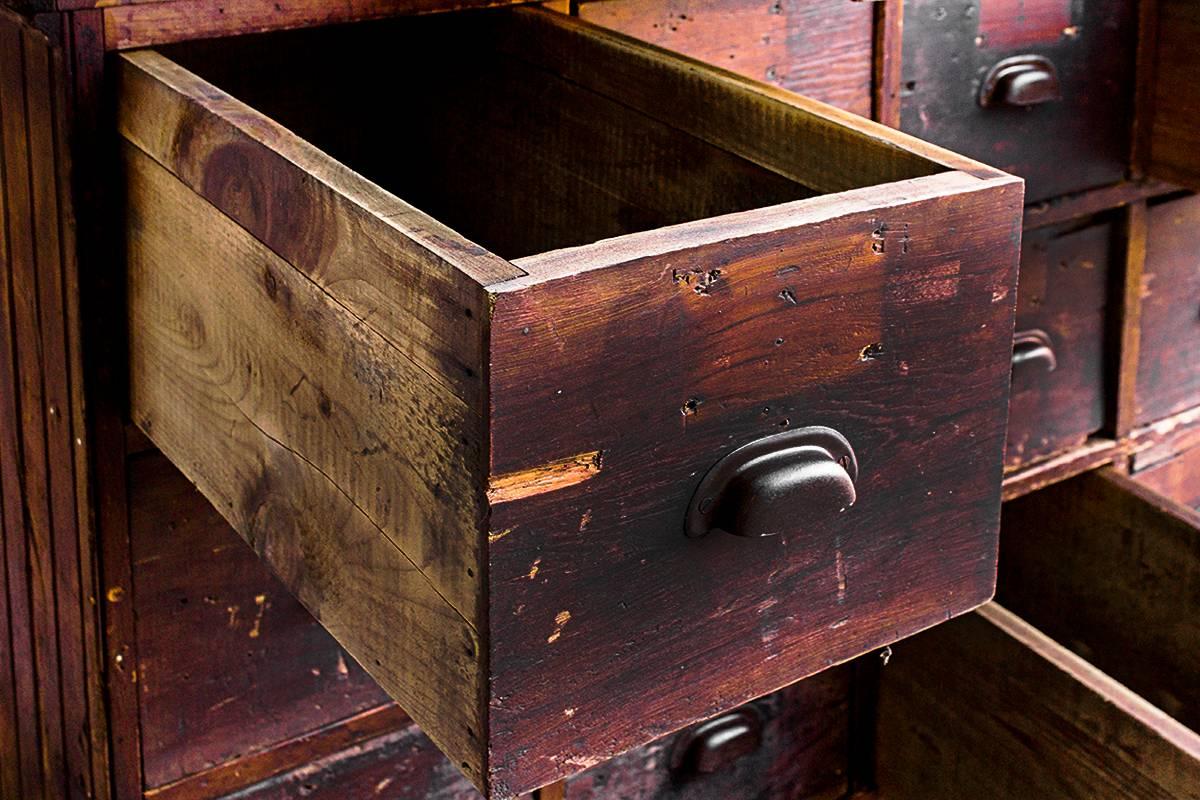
{"x":1092,"y":455}
{"x":570,"y":261}
{"x":539,"y":480}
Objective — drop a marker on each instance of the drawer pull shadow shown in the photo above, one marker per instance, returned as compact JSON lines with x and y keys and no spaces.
{"x":1034,"y":347}
{"x":762,"y":488}
{"x":1020,"y":82}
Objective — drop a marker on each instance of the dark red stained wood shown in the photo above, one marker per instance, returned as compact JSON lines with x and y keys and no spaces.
{"x":34,"y":537}
{"x":1063,"y":291}
{"x":819,"y":48}
{"x":1177,"y":478}
{"x":803,"y":755}
{"x":229,"y":663}
{"x":402,"y":765}
{"x":1168,"y":379}
{"x":1058,"y":147}
{"x":1018,"y":23}
{"x":892,"y":326}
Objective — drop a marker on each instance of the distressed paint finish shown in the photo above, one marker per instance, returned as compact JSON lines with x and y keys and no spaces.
{"x":1062,"y":146}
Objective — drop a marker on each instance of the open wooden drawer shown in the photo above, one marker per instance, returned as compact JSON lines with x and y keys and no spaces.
{"x":470,"y":437}
{"x":1085,"y":684}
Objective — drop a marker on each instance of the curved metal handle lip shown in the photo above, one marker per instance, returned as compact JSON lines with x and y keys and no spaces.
{"x":703,"y":507}
{"x":1010,"y":70}
{"x":1034,"y":345}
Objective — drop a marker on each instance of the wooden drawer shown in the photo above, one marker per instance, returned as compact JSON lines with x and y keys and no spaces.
{"x":989,"y":706}
{"x":1111,"y":569}
{"x":1168,"y":379}
{"x":1058,"y":383}
{"x":1077,"y":141}
{"x":1086,"y":683}
{"x":476,"y":472}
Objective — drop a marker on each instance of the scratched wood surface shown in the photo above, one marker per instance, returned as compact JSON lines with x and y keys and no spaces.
{"x":1063,"y":292}
{"x":822,"y":49}
{"x":1110,"y":569}
{"x":891,"y":323}
{"x":267,"y":672}
{"x":989,"y":706}
{"x":1168,"y":375}
{"x":355,"y":444}
{"x":1063,"y":146}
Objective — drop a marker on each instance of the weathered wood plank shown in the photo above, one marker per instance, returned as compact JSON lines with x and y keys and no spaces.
{"x":333,"y":461}
{"x":819,"y":146}
{"x":1111,"y":570}
{"x":140,"y":24}
{"x":988,"y":706}
{"x":664,"y":350}
{"x":821,"y":49}
{"x":418,"y":281}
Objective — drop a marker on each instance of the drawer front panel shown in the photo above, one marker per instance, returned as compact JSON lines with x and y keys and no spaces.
{"x":819,"y":48}
{"x":790,"y":745}
{"x":1059,"y":145}
{"x":1168,"y":377}
{"x":1058,"y":383}
{"x":889,"y":325}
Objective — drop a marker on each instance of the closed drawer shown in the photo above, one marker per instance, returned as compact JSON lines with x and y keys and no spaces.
{"x":1059,"y":106}
{"x":1058,"y":380}
{"x":475,"y":459}
{"x":1168,"y":378}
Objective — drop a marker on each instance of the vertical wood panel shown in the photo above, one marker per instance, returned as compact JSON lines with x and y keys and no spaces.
{"x":50,"y":624}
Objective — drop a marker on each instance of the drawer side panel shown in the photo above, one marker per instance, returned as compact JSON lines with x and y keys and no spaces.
{"x":325,"y":448}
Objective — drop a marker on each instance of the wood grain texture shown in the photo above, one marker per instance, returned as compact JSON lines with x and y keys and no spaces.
{"x":802,"y":755}
{"x":822,"y":49}
{"x":989,"y":706}
{"x":1079,"y":142}
{"x":368,"y":249}
{"x":1177,"y":478}
{"x":139,"y":24}
{"x":1173,"y":105}
{"x":1097,"y":452}
{"x":393,"y":580}
{"x":1168,"y":372}
{"x":1110,"y":569}
{"x":1063,"y":292}
{"x":824,"y":148}
{"x":267,"y":673}
{"x":51,"y":678}
{"x":889,"y":321}
{"x":1127,"y":323}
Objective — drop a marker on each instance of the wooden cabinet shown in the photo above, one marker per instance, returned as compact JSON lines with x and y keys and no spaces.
{"x":476,"y":472}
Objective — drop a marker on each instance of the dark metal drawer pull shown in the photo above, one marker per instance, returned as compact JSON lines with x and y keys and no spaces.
{"x":1034,"y":346}
{"x":1020,"y":81}
{"x":717,"y":744}
{"x":768,"y":486}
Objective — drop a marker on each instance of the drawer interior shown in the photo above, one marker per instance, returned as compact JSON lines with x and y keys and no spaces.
{"x":476,"y":119}
{"x":1111,"y":569}
{"x":989,"y":706}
